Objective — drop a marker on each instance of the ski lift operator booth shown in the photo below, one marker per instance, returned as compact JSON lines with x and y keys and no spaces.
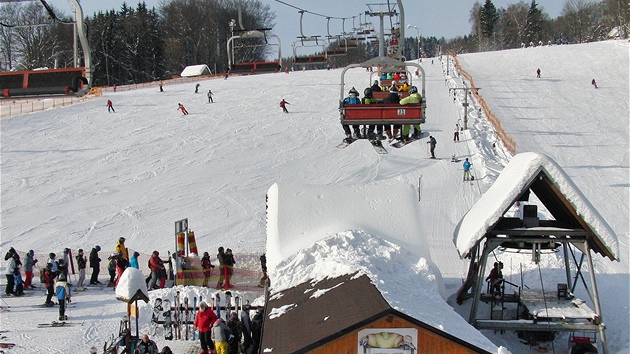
{"x":382,"y":113}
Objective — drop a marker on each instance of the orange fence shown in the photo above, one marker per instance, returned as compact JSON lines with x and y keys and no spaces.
{"x":508,"y":141}
{"x":16,"y":107}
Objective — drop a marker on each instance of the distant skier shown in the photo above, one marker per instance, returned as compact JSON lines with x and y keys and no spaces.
{"x":283,"y":104}
{"x":197,"y":88}
{"x":210,"y":96}
{"x":161,"y":89}
{"x":594,"y":83}
{"x":110,"y":106}
{"x":538,"y":73}
{"x":433,"y":142}
{"x":467,"y":165}
{"x":182,"y":108}
{"x":456,"y":133}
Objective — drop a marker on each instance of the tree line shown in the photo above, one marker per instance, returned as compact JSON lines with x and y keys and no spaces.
{"x":527,"y":24}
{"x":138,"y":44}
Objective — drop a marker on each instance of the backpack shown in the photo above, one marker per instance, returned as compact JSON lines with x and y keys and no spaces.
{"x":42,"y":275}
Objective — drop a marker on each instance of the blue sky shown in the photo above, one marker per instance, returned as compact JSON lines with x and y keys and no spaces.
{"x":439,"y":18}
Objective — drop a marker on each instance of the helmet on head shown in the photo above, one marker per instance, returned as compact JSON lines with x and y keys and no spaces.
{"x":52,"y":255}
{"x":393,"y":89}
{"x":80,"y":250}
{"x":136,"y":254}
{"x":66,"y":250}
{"x":97,"y":248}
{"x":368,"y":92}
{"x":205,"y":254}
{"x":121,"y":240}
{"x":413,"y":89}
{"x":31,"y":252}
{"x":353,"y":91}
{"x":62,"y":262}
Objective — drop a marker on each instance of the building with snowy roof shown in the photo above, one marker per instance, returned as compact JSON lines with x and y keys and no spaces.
{"x":571,"y":229}
{"x":196,"y":70}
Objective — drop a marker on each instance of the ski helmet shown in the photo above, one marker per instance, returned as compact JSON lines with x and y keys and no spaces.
{"x":62,"y":262}
{"x":368,"y":92}
{"x":136,"y":254}
{"x":121,"y":240}
{"x":353,"y":91}
{"x":52,"y":255}
{"x":413,"y":89}
{"x":97,"y":248}
{"x":31,"y":252}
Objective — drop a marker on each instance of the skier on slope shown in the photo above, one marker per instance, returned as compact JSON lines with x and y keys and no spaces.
{"x":433,"y":142}
{"x":181,"y":107}
{"x":283,"y":104}
{"x":594,"y":83}
{"x":110,"y":106}
{"x":456,"y":133}
{"x":197,"y":88}
{"x":210,"y":100}
{"x":467,"y":165}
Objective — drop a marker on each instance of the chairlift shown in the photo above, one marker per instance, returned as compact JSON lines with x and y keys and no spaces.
{"x":66,"y":81}
{"x":382,"y":113}
{"x":310,"y":42}
{"x":251,"y":39}
{"x":342,"y":43}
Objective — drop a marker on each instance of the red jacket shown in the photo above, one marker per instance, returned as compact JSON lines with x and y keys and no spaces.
{"x":205,"y":319}
{"x":156,"y":263}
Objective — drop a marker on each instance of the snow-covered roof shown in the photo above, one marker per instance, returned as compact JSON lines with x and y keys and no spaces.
{"x":196,"y":70}
{"x":516,"y":178}
{"x":130,"y":282}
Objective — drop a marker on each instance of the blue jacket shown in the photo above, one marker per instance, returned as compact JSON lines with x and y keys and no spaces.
{"x":134,"y":262}
{"x":352,"y":100}
{"x":466,"y":165}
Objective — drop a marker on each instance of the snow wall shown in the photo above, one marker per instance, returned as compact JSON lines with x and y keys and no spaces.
{"x":299,"y":215}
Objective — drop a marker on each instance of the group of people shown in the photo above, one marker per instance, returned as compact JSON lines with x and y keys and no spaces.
{"x":237,"y":335}
{"x":375,"y":131}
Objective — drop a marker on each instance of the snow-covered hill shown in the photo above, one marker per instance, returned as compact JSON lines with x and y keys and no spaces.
{"x":80,"y":176}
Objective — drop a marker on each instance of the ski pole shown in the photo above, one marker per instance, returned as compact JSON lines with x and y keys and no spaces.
{"x":5,"y":301}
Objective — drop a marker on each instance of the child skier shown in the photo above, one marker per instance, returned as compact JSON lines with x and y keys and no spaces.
{"x":594,"y":83}
{"x":62,"y":292}
{"x":467,"y":165}
{"x":182,"y":108}
{"x":110,"y":106}
{"x":111,"y":267}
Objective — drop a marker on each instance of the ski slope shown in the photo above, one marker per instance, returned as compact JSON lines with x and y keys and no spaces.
{"x":80,"y":176}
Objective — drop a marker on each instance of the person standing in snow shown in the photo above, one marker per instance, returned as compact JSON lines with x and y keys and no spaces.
{"x":284,"y":104}
{"x":110,"y":106}
{"x":467,"y":165}
{"x":256,"y":324}
{"x":81,"y":264}
{"x":10,"y":269}
{"x":220,"y":334}
{"x":432,"y":143}
{"x":538,"y":73}
{"x":229,"y":263}
{"x":235,"y":326}
{"x":204,"y":320}
{"x":246,"y":328}
{"x":62,"y":292}
{"x":111,"y":268}
{"x":594,"y":83}
{"x":197,"y":88}
{"x":29,"y":262}
{"x":210,"y":96}
{"x":52,"y":260}
{"x":133,"y":262}
{"x":49,"y":283}
{"x":222,"y":268}
{"x":121,"y":250}
{"x":181,"y":107}
{"x":161,"y":89}
{"x":207,"y":266}
{"x":456,"y":133}
{"x":157,"y":267}
{"x":95,"y":264}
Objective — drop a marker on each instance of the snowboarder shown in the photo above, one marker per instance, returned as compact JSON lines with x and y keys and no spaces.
{"x":110,"y":106}
{"x":433,"y":142}
{"x":538,"y":73}
{"x":210,"y":96}
{"x":182,"y":108}
{"x":467,"y":165}
{"x":456,"y":133}
{"x":203,"y":321}
{"x":283,"y":104}
{"x":62,"y":291}
{"x":197,"y":88}
{"x":594,"y":83}
{"x":95,"y":264}
{"x":413,"y":98}
{"x":81,"y":263}
{"x":29,"y":262}
{"x":146,"y":346}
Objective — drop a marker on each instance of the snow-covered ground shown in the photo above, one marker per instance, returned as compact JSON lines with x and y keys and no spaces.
{"x":80,"y":176}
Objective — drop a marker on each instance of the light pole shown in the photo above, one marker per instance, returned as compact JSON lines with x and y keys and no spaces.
{"x":417,"y":38}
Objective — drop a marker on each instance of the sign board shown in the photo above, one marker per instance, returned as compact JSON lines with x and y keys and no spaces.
{"x":181,"y":226}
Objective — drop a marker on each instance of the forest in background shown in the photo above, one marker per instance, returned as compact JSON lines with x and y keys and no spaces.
{"x":138,"y":44}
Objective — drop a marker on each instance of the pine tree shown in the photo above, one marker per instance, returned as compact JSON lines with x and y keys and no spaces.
{"x":533,"y":30}
{"x":488,"y":18}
